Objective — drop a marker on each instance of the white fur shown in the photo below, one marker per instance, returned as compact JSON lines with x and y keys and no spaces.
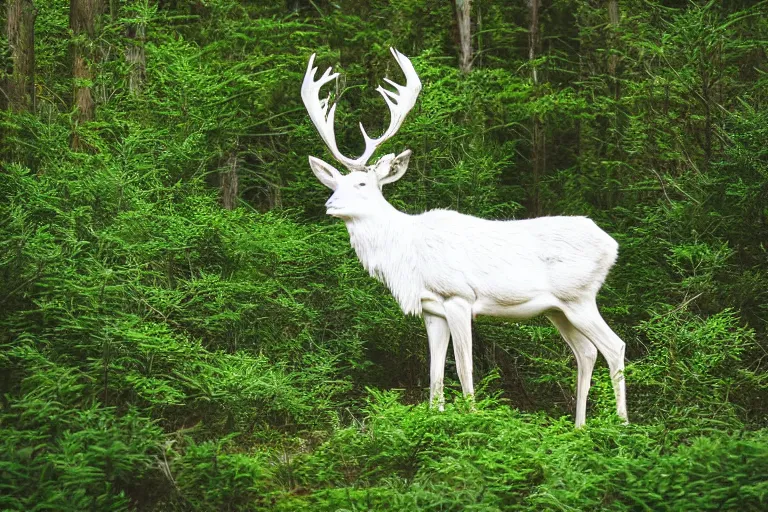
{"x":487,"y":263}
{"x":449,"y":267}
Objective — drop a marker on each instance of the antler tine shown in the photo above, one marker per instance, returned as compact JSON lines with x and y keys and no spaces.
{"x":319,"y":112}
{"x":400,"y":102}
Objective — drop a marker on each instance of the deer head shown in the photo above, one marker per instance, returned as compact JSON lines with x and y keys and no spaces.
{"x":359,"y":192}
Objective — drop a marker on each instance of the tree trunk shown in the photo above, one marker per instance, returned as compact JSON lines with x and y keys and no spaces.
{"x":465,"y":35}
{"x":135,"y":56}
{"x":479,"y":55}
{"x":534,"y":37}
{"x":20,"y":83}
{"x":613,"y":19}
{"x":229,"y":182}
{"x":538,"y":141}
{"x":83,"y":17}
{"x":614,"y":90}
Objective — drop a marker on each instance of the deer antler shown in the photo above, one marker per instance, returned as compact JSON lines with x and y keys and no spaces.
{"x":400,"y":102}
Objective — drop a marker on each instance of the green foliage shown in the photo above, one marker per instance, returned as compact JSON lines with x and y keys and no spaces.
{"x":62,"y":451}
{"x":702,"y":358}
{"x":209,"y":476}
{"x":160,"y":352}
{"x":489,"y":457}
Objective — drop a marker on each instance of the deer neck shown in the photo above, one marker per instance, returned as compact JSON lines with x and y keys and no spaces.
{"x":384,"y":244}
{"x":379,"y":237}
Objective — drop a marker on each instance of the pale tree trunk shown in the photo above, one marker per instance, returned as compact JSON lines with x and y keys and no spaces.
{"x":228,"y":182}
{"x":465,"y":35}
{"x":20,"y":30}
{"x":83,"y":18}
{"x":538,"y":140}
{"x":534,"y":37}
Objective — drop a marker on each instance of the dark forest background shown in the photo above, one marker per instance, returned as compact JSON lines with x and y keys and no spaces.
{"x":182,"y":327}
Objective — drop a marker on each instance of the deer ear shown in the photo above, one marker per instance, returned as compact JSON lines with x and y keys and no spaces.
{"x":390,"y":169}
{"x":325,"y":172}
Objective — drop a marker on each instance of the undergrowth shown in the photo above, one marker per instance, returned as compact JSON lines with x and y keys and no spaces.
{"x":163,"y":349}
{"x":484,"y":456}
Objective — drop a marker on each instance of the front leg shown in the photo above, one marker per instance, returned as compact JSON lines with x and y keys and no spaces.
{"x":438,"y":334}
{"x":458,"y":313}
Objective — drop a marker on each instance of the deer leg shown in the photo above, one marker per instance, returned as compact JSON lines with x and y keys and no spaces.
{"x":458,"y":313}
{"x":438,"y":335}
{"x":585,"y":353}
{"x":586,"y":318}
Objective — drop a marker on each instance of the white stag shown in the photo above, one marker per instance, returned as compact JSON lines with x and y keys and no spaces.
{"x":450,"y":267}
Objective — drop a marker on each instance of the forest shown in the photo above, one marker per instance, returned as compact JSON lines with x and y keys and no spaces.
{"x":182,"y":327}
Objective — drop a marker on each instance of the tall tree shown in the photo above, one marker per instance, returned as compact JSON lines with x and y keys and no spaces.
{"x":463,"y":21}
{"x":20,"y":30}
{"x":537,"y":132}
{"x":135,"y":57}
{"x":613,"y":19}
{"x":534,"y":37}
{"x":83,"y":19}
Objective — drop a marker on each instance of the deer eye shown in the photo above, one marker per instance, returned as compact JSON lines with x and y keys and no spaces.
{"x":361,"y":184}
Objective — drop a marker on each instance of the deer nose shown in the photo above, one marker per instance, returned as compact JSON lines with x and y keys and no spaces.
{"x":329,"y":202}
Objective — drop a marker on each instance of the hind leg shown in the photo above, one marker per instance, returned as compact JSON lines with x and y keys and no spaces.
{"x":585,"y":353}
{"x":586,"y":318}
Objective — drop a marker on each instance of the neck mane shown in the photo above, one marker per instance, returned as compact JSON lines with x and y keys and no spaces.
{"x":386,"y":245}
